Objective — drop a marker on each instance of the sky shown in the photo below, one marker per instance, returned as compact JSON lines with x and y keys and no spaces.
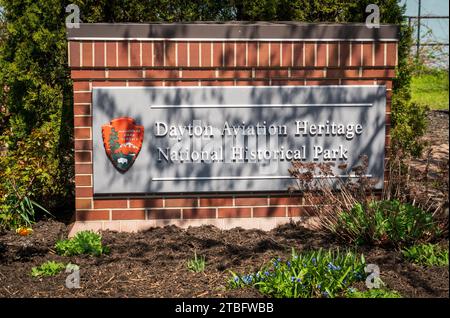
{"x":439,"y":27}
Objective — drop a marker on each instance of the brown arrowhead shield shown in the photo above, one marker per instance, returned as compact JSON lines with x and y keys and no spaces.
{"x":122,"y":140}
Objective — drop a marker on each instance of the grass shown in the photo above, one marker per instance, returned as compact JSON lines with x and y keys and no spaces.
{"x":373,"y":293}
{"x":431,"y":89}
{"x":427,"y":255}
{"x":197,"y":264}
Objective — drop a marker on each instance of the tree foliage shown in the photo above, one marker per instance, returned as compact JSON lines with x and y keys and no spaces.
{"x":36,"y":93}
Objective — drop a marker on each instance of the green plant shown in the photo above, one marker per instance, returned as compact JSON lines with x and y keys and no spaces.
{"x":317,"y":273}
{"x":49,"y":268}
{"x":388,"y":222}
{"x":84,"y":242}
{"x":427,"y":254}
{"x":372,"y":293}
{"x":197,"y":264}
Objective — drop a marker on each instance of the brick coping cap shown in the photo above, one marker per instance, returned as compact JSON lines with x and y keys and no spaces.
{"x":294,"y":31}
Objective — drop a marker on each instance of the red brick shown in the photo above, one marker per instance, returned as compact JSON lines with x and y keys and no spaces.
{"x":82,"y":133}
{"x":83,"y":144}
{"x":199,"y":213}
{"x":235,"y":212}
{"x":275,"y":54}
{"x":198,"y":74}
{"x":81,"y":109}
{"x":295,"y":211}
{"x":333,"y":54}
{"x":181,"y":202}
{"x":182,"y":54}
{"x":206,"y":54}
{"x":321,"y":54}
{"x":87,"y":54}
{"x":92,"y":215}
{"x":83,"y":204}
{"x":241,"y":55}
{"x":391,"y":53}
{"x":87,"y":74}
{"x":225,"y":201}
{"x":217,"y":54}
{"x":82,"y":97}
{"x":271,"y":73}
{"x":379,"y":54}
{"x":83,"y":180}
{"x":147,"y":54}
{"x":83,"y":168}
{"x":263,"y":54}
{"x":229,"y":54}
{"x":194,"y":54}
{"x":135,"y":53}
{"x":322,"y":82}
{"x":356,"y":54}
{"x":161,"y":74}
{"x":357,"y":82}
{"x":252,"y":53}
{"x":111,"y":54}
{"x":122,"y":51}
{"x":111,"y":204}
{"x":367,"y":54}
{"x":310,"y":53}
{"x":182,"y":83}
{"x":99,"y":54}
{"x":385,"y":82}
{"x":250,"y":83}
{"x":171,"y":48}
{"x":272,"y":211}
{"x":145,"y":83}
{"x":286,"y":59}
{"x":125,"y":74}
{"x":81,"y":86}
{"x":291,"y":200}
{"x":84,"y":192}
{"x":307,"y":73}
{"x":109,"y":83}
{"x":146,"y":203}
{"x":158,"y":53}
{"x":82,"y":121}
{"x":74,"y":48}
{"x":155,"y":214}
{"x":342,"y":73}
{"x":250,"y":201}
{"x":128,"y":214}
{"x":235,"y":73}
{"x":344,"y":54}
{"x":379,"y":73}
{"x":298,"y":54}
{"x":83,"y":156}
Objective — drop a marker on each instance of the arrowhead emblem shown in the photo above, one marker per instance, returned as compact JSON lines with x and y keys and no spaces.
{"x":122,"y":140}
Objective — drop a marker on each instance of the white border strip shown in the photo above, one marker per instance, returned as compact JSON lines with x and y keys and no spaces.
{"x":261,"y":105}
{"x":251,"y":177}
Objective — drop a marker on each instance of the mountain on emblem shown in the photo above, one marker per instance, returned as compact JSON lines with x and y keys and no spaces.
{"x":122,"y":140}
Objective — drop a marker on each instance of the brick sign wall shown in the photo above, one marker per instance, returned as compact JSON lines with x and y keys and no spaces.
{"x":133,"y":55}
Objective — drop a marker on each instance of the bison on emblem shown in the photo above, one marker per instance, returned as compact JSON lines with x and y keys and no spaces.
{"x":122,"y":140}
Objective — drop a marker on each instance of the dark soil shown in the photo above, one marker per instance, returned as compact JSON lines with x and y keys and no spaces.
{"x":153,"y":263}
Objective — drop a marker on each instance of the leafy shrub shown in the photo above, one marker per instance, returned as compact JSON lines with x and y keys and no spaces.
{"x":385,"y":222}
{"x":426,"y":254}
{"x":372,"y":293}
{"x":49,"y":268}
{"x":197,"y":264}
{"x":310,"y":274}
{"x":84,"y":242}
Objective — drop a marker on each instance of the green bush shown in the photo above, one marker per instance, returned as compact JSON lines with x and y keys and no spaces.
{"x":372,"y":293}
{"x":197,"y":264}
{"x":385,"y":223}
{"x":427,"y":254}
{"x":49,"y":268}
{"x":84,"y":242}
{"x":310,"y":274}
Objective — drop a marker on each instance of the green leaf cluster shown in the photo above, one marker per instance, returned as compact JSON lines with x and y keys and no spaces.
{"x":427,"y":254}
{"x":197,"y":264}
{"x":84,"y":242}
{"x":49,"y":268}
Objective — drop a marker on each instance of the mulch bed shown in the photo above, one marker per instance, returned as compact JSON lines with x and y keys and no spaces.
{"x":153,"y":263}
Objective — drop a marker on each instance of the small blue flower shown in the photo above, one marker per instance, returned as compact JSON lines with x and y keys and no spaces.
{"x":319,"y":286}
{"x":288,"y":264}
{"x":236,"y":279}
{"x":298,"y":280}
{"x":278,"y":259}
{"x":314,"y":261}
{"x":266,"y":273}
{"x":325,"y":294}
{"x":292,"y":278}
